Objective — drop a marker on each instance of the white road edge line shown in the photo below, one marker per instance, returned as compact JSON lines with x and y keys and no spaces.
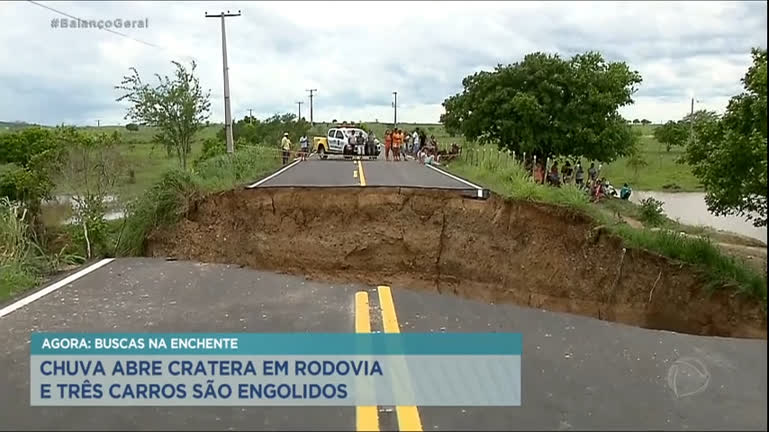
{"x":275,"y":174}
{"x":45,"y":291}
{"x":480,"y":189}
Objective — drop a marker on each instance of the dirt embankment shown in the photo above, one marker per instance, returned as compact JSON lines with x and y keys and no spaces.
{"x":496,"y":250}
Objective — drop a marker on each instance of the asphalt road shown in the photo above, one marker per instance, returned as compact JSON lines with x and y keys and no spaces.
{"x":578,"y":373}
{"x":339,"y":172}
{"x":143,"y":295}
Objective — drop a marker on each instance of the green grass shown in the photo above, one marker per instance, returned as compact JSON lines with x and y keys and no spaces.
{"x":21,"y":266}
{"x":661,"y":173}
{"x":142,"y":156}
{"x":507,"y":178}
{"x":169,"y":199}
{"x":146,"y":159}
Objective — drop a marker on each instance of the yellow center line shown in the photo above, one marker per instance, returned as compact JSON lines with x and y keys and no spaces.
{"x":408,"y":416}
{"x":360,"y":174}
{"x":366,"y":417}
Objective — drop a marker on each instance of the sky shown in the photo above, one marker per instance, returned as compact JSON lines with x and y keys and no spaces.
{"x":357,"y":53}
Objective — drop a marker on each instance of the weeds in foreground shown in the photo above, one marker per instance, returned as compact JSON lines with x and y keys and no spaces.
{"x":20,"y":264}
{"x":23,"y":262}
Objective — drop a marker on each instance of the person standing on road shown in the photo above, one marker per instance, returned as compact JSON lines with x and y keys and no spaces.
{"x":388,"y":143}
{"x":304,"y":145}
{"x":360,"y":143}
{"x":397,"y":144}
{"x":285,"y":144}
{"x":351,"y":143}
{"x":415,"y":143}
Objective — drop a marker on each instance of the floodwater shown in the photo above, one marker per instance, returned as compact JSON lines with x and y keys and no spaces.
{"x":60,"y":208}
{"x":690,"y":208}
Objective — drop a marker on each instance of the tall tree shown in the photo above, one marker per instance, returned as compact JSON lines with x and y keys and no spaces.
{"x":729,"y":155}
{"x":177,"y":106}
{"x":546,"y":106}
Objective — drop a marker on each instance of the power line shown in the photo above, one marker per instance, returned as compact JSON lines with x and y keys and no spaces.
{"x":103,"y":28}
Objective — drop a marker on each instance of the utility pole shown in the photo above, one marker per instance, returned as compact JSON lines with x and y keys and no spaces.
{"x":299,"y":104}
{"x":227,"y":113}
{"x":691,"y":122}
{"x":395,"y":109}
{"x":98,"y":123}
{"x":312,"y":122}
{"x":250,"y":112}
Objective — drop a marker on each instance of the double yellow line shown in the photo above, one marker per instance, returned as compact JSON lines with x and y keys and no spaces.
{"x":367,"y":417}
{"x":361,"y":176}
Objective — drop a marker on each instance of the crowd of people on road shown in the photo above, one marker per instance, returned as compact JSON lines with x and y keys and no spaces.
{"x":423,"y":148}
{"x":398,"y":144}
{"x":597,"y":187}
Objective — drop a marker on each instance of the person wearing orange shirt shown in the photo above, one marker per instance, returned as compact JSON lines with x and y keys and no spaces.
{"x":388,"y":143}
{"x":397,"y":143}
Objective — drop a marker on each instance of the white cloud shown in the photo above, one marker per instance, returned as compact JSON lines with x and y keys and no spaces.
{"x":356,"y":54}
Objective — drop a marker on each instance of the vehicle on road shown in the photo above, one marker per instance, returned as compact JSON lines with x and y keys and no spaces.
{"x":336,"y":140}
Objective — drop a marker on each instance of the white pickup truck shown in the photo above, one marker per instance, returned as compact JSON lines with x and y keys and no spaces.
{"x":336,"y":141}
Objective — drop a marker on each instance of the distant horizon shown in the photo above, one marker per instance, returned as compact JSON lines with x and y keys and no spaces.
{"x":6,"y":123}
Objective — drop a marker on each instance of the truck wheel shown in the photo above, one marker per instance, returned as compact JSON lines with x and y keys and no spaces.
{"x":322,"y":152}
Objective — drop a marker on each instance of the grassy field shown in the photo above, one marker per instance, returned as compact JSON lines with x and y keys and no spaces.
{"x":146,"y":159}
{"x":662,"y":173}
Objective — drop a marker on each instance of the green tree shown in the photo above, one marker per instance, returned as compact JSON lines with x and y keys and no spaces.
{"x":672,"y":133}
{"x":729,"y":154}
{"x":269,"y":131}
{"x":548,"y":106}
{"x":646,"y":122}
{"x":177,"y":106}
{"x":91,"y":167}
{"x":28,"y":161}
{"x":133,"y":127}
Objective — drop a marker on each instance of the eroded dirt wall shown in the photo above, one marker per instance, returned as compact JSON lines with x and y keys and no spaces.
{"x":494,"y":250}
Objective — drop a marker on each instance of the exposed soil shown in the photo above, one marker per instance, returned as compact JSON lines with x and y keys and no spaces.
{"x":494,"y":250}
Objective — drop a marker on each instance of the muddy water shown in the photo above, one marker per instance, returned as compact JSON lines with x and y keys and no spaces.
{"x":58,"y":211}
{"x":690,"y":208}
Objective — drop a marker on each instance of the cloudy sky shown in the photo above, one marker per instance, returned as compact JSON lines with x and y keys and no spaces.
{"x":357,"y":53}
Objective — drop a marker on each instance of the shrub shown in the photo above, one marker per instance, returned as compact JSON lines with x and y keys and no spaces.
{"x":163,"y":204}
{"x":651,"y":212}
